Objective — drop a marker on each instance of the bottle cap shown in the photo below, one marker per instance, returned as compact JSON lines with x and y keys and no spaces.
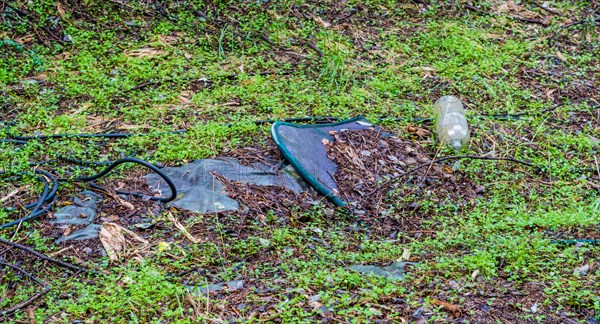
{"x":456,"y":145}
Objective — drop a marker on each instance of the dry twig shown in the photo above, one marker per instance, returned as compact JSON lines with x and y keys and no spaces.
{"x":41,"y":256}
{"x":24,"y":304}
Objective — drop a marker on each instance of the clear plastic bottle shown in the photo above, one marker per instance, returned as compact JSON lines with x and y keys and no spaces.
{"x":450,"y":122}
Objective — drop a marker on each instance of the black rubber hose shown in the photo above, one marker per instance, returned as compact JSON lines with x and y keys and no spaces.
{"x":33,"y":215}
{"x":101,"y":135}
{"x":576,"y":241}
{"x":13,"y":141}
{"x":319,"y":119}
{"x":49,"y":192}
{"x":52,"y":192}
{"x":24,"y":139}
{"x":37,"y":206}
{"x":136,"y":161}
{"x":40,"y":201}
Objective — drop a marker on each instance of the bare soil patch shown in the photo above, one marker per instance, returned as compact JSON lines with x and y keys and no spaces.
{"x":386,"y":178}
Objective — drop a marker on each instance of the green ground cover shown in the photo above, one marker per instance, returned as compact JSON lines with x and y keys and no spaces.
{"x":148,"y":67}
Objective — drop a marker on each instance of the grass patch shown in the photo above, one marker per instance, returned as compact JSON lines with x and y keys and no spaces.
{"x":212,"y":69}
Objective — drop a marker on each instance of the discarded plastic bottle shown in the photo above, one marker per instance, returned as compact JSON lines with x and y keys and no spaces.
{"x":451,"y":124}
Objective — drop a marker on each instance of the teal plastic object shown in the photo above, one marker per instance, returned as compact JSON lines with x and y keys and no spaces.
{"x":303,"y":146}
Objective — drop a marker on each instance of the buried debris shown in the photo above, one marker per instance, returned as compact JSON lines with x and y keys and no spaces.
{"x":367,"y":159}
{"x":304,"y":146}
{"x":348,"y":160}
{"x":201,"y":191}
{"x":81,"y":212}
{"x":393,"y":272}
{"x":210,"y":288}
{"x":89,"y":232}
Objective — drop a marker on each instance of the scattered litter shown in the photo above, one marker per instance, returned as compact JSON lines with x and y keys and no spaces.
{"x":394,"y":271}
{"x":534,"y":308}
{"x":264,"y":242}
{"x":89,"y":232}
{"x":207,"y":289}
{"x":145,"y":225}
{"x":451,"y":124}
{"x":235,"y":285}
{"x":304,"y":146}
{"x":418,"y":312}
{"x":581,"y":271}
{"x":395,"y":166}
{"x":200,"y":191}
{"x":405,"y":255}
{"x":113,"y":240}
{"x":453,"y":284}
{"x":204,"y":290}
{"x":81,"y":212}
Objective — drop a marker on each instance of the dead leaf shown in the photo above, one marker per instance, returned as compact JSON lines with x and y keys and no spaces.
{"x":183,"y":230}
{"x":144,"y":52}
{"x":561,"y":56}
{"x":167,"y":39}
{"x":475,"y":274}
{"x":446,"y":306}
{"x":24,"y":39}
{"x":421,"y":132}
{"x":534,"y":308}
{"x":13,"y":193}
{"x":111,"y":218}
{"x":322,"y":23}
{"x":112,"y":237}
{"x":120,"y":200}
{"x":41,"y":77}
{"x":580,"y":271}
{"x":112,"y":240}
{"x":494,"y":36}
{"x":549,"y":93}
{"x":68,"y":231}
{"x":185,"y":97}
{"x":422,"y":69}
{"x":60,"y":9}
{"x":405,"y":255}
{"x":132,"y":127}
{"x":507,"y":6}
{"x":313,"y":301}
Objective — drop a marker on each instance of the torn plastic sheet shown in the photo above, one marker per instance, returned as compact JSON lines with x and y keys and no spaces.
{"x":207,"y":289}
{"x":199,"y":190}
{"x":393,"y":272}
{"x":89,"y":232}
{"x":303,"y":146}
{"x":81,"y":212}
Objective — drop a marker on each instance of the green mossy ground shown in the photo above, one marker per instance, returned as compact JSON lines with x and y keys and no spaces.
{"x":85,"y":66}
